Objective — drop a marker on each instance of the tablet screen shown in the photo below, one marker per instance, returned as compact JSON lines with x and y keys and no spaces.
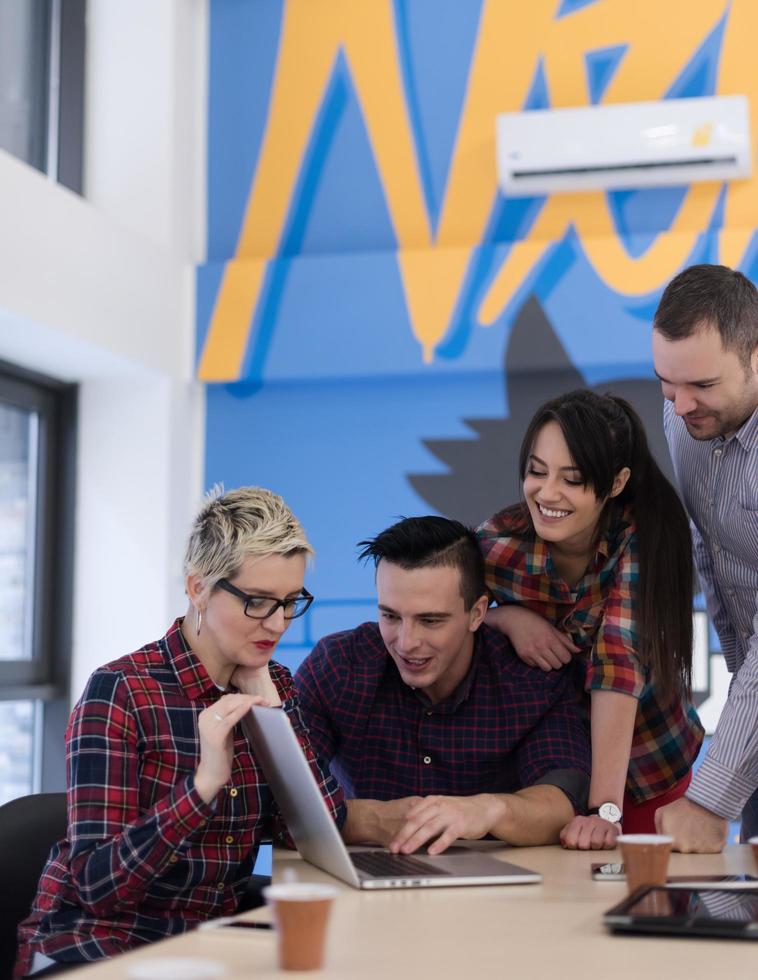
{"x":688,"y":904}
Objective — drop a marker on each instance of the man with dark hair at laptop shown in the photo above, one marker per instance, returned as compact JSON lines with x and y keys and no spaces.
{"x":434,"y":727}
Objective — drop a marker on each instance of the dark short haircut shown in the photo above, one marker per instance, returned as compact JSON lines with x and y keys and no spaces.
{"x":431,"y":542}
{"x":711,"y":296}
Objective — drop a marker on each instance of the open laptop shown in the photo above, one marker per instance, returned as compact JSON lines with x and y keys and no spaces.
{"x":314,"y":832}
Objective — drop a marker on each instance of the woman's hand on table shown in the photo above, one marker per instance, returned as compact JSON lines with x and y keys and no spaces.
{"x":590,"y":834}
{"x":215,"y":727}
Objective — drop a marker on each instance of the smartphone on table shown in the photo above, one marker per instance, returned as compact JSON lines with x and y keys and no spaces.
{"x":614,"y":871}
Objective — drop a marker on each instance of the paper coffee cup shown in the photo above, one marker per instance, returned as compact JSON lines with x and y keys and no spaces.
{"x":301,"y":915}
{"x":646,"y":858}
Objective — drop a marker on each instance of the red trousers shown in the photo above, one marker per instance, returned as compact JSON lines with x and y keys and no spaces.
{"x":639,"y":818}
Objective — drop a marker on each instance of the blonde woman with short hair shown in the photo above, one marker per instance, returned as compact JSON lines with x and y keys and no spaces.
{"x":166,"y":802}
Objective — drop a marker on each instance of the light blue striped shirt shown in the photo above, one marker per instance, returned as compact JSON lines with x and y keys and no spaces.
{"x":718,"y":479}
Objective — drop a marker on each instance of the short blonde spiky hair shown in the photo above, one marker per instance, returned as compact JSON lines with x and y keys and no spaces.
{"x":240,"y":524}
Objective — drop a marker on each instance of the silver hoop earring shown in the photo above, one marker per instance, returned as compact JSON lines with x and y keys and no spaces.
{"x":198,"y":621}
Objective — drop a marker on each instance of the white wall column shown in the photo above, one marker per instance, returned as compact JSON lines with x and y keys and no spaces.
{"x":100,"y":291}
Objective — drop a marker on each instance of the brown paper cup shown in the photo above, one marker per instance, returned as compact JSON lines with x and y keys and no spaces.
{"x":646,"y":859}
{"x":301,"y":914}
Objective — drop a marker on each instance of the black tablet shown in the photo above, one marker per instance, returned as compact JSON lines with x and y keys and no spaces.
{"x":719,"y":912}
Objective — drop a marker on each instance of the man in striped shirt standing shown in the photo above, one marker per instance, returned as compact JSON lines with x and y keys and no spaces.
{"x":705,"y":349}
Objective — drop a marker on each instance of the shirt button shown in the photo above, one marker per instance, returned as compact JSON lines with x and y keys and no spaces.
{"x":427,"y":760}
{"x":233,"y":791}
{"x":716,"y":452}
{"x":203,"y":822}
{"x":429,"y":714}
{"x":174,"y":858}
{"x":716,"y":547}
{"x":229,"y":839}
{"x":220,"y":886}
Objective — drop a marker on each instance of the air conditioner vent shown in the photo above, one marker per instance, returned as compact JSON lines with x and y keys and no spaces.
{"x":640,"y":144}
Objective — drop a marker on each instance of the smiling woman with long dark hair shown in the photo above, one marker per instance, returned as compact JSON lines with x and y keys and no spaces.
{"x":594,"y":566}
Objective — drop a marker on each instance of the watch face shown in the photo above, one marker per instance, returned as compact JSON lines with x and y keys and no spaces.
{"x":610,"y":812}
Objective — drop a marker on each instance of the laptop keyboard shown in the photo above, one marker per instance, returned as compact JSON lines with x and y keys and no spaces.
{"x":384,"y":865}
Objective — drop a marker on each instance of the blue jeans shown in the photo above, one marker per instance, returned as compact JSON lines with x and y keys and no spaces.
{"x":750,"y":818}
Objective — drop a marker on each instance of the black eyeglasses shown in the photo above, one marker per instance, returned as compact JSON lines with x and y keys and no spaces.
{"x":263,"y":606}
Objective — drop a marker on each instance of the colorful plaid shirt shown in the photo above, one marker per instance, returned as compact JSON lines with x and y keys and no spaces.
{"x":145,"y":857}
{"x":599,"y":616}
{"x":503,"y":728}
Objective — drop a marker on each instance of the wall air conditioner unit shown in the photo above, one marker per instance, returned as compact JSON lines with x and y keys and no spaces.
{"x":639,"y":144}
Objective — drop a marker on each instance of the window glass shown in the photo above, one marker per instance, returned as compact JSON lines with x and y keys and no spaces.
{"x":17,"y":729}
{"x":37,"y":459}
{"x":24,"y":56}
{"x":18,"y":466}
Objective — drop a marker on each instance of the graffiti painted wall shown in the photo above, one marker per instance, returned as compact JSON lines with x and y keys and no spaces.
{"x":376,"y":322}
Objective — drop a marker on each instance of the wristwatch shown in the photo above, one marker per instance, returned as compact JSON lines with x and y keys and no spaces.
{"x":607,"y":811}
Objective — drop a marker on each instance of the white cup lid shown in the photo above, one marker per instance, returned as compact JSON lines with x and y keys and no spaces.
{"x":644,"y":839}
{"x":299,"y":891}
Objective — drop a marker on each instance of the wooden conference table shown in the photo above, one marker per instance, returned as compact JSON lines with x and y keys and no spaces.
{"x":524,"y":932}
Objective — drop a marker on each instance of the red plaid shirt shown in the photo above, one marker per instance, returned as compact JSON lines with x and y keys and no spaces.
{"x":599,"y":615}
{"x":145,"y":857}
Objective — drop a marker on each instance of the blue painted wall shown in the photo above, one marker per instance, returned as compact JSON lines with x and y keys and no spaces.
{"x":372,"y":303}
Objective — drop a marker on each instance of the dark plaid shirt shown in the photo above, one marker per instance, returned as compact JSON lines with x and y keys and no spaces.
{"x":505,"y":727}
{"x":145,"y":857}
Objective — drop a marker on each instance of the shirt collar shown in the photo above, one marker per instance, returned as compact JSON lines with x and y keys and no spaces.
{"x":536,"y":553}
{"x":620,"y":528}
{"x":602,"y":548}
{"x":191,"y":675}
{"x":747,"y":434}
{"x":537,"y":556}
{"x":617,"y":529}
{"x":456,"y":697}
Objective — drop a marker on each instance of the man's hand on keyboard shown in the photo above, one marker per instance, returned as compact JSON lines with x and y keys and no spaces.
{"x":444,"y":819}
{"x":377,"y":821}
